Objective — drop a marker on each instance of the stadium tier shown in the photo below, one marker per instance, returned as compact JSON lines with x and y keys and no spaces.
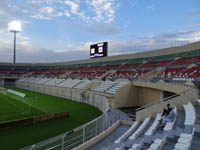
{"x":132,"y":91}
{"x":180,"y":63}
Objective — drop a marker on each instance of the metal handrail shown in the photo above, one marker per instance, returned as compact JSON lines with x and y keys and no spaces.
{"x":165,"y":99}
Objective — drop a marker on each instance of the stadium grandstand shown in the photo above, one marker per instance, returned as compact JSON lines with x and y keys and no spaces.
{"x":130,"y":90}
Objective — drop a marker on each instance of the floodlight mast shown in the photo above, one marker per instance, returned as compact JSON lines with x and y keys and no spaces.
{"x":15,"y":32}
{"x":15,"y":27}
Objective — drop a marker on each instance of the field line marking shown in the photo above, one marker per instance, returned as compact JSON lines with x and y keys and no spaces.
{"x":1,"y":116}
{"x":17,"y":106}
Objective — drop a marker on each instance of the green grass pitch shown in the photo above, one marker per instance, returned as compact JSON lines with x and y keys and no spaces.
{"x":15,"y":107}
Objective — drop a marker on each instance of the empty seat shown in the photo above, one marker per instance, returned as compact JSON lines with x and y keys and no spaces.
{"x":140,"y":129}
{"x":127,"y":133}
{"x":154,"y":126}
{"x":137,"y":146}
{"x":184,"y":141}
{"x":190,"y":115}
{"x":158,"y":143}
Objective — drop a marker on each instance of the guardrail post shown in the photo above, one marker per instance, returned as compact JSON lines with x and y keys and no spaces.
{"x":84,"y":134}
{"x":103,"y":123}
{"x":32,"y":147}
{"x":63,"y":141}
{"x":96,"y":127}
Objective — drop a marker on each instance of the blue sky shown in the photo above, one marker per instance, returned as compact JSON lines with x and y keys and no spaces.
{"x":62,"y":30}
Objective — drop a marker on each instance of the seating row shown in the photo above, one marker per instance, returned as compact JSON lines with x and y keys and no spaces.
{"x":190,"y":115}
{"x":158,"y":144}
{"x":140,"y":129}
{"x":82,"y":84}
{"x":154,"y":126}
{"x":116,"y":87}
{"x":69,"y":83}
{"x":128,"y":132}
{"x":137,"y":146}
{"x":184,"y":141}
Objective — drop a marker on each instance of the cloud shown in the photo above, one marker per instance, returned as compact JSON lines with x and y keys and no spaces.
{"x":156,"y":42}
{"x":73,"y":5}
{"x":87,"y":11}
{"x":48,"y":9}
{"x":46,"y":13}
{"x":104,"y":9}
{"x":67,"y":13}
{"x":194,"y":24}
{"x":133,"y":3}
{"x":98,"y":28}
{"x":26,"y":52}
{"x":192,"y":14}
{"x":103,"y":29}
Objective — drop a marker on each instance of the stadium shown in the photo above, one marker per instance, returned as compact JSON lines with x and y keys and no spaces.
{"x":99,"y":75}
{"x":111,"y":102}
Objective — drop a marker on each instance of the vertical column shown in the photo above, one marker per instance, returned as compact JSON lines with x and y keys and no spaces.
{"x":96,"y":128}
{"x":63,"y":141}
{"x":14,"y":46}
{"x":84,"y":134}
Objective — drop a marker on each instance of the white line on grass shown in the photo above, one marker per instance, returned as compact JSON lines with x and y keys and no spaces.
{"x":13,"y":114}
{"x":19,"y":106}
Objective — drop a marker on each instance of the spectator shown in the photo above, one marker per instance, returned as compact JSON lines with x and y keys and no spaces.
{"x":168,"y":115}
{"x":169,"y":107}
{"x":164,"y":115}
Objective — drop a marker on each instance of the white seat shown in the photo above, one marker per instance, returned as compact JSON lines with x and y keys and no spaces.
{"x":140,"y":129}
{"x":185,"y":141}
{"x":154,"y":126}
{"x":198,"y":101}
{"x":127,"y":133}
{"x":155,"y":146}
{"x":158,"y":143}
{"x":190,"y":115}
{"x":181,"y":146}
{"x":138,"y":146}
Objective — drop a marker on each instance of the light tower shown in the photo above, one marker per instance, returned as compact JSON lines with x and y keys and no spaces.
{"x":15,"y":27}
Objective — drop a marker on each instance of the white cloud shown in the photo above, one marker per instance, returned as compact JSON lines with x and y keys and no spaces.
{"x":48,"y":10}
{"x":28,"y":53}
{"x":104,"y":9}
{"x":102,"y":29}
{"x":74,"y":7}
{"x":87,"y":11}
{"x":133,"y":3}
{"x":46,"y":13}
{"x":59,"y":14}
{"x":67,"y":13}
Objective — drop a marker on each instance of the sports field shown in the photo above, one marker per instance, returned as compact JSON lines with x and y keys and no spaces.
{"x":15,"y":107}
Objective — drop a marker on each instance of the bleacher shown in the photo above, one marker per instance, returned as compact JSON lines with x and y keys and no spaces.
{"x":180,"y":134}
{"x":54,"y":82}
{"x":143,"y":134}
{"x":42,"y":81}
{"x":69,"y":83}
{"x":115,"y":87}
{"x":154,"y":126}
{"x":82,"y":84}
{"x":185,"y":141}
{"x":158,"y":144}
{"x":140,"y":129}
{"x":190,"y":115}
{"x":109,"y":86}
{"x":131,"y":68}
{"x":103,"y":86}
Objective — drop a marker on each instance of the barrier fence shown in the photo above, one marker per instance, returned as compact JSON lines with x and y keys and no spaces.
{"x":77,"y":136}
{"x":73,"y":138}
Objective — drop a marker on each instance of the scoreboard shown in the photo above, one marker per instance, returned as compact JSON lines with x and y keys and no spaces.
{"x":99,"y":50}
